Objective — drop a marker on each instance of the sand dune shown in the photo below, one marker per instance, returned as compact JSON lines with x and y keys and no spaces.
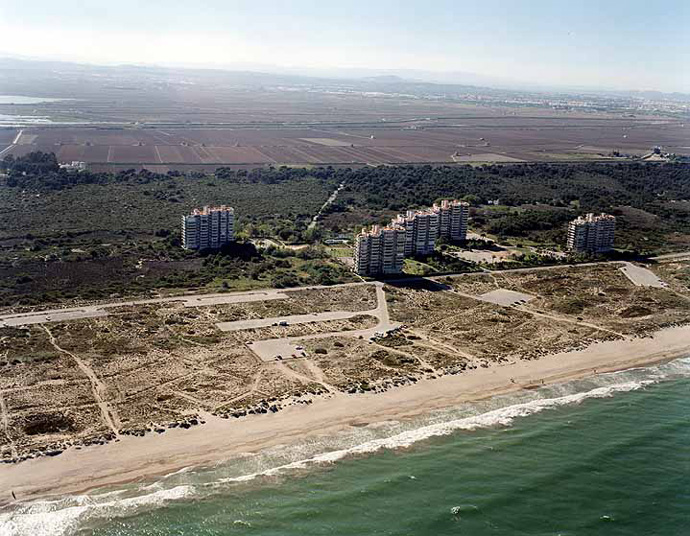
{"x":135,"y":458}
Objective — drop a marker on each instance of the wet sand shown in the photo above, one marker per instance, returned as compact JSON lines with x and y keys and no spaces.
{"x":139,"y":458}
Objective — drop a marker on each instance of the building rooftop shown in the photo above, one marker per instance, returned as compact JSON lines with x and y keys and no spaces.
{"x":592,"y":218}
{"x":377,"y":229}
{"x":208,"y":210}
{"x":447,"y":203}
{"x":430,"y":211}
{"x":398,"y":223}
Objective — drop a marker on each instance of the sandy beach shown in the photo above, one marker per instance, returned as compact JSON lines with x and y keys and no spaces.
{"x":138,"y":458}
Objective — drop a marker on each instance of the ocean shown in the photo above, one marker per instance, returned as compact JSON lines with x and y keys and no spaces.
{"x":609,"y":455}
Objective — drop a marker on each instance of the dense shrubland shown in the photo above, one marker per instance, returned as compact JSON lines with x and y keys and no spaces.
{"x":66,"y":234}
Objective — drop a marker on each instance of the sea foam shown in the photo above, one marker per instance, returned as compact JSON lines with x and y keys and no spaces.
{"x":65,"y":516}
{"x":499,"y":417}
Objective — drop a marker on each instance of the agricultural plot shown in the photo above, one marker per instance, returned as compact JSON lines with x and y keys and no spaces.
{"x":491,"y":138}
{"x":7,"y":135}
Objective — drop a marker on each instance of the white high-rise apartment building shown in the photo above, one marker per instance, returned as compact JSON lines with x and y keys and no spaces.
{"x":208,"y":228}
{"x":421,"y":230}
{"x":447,"y":219}
{"x":593,"y":233}
{"x":453,"y":217}
{"x":380,"y":250}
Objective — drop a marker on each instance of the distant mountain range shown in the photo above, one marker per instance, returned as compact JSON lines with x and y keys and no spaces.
{"x":23,"y":70}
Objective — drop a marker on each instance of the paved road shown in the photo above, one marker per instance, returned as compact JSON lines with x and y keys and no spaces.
{"x":641,"y":276}
{"x":505,"y":297}
{"x":286,"y":347}
{"x":53,"y":316}
{"x":440,"y":278}
{"x":189,"y":300}
{"x":332,"y":198}
{"x":218,"y":299}
{"x":14,"y":142}
{"x":93,"y":311}
{"x":671,"y":256}
{"x":198,"y":300}
{"x":293,"y":319}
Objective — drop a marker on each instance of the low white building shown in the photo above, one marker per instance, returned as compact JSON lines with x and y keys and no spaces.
{"x":73,"y":166}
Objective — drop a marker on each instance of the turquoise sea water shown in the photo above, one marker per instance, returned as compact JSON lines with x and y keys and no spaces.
{"x":604,"y":456}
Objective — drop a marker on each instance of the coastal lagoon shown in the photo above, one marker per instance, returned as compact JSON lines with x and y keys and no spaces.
{"x":22,"y":120}
{"x":602,"y":455}
{"x":13,"y":120}
{"x":21,"y":99}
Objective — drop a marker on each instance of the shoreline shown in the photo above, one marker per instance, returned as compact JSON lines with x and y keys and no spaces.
{"x":140,"y":458}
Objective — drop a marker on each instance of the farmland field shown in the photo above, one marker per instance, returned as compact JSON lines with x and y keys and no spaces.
{"x":70,"y":235}
{"x":204,"y":119}
{"x":478,"y":140}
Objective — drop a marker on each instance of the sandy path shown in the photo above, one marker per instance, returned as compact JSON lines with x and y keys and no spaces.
{"x":253,"y":389}
{"x":452,"y":350}
{"x":559,"y":318}
{"x":303,"y":378}
{"x":424,"y":364}
{"x":194,"y":400}
{"x":319,"y":375}
{"x":97,"y":386}
{"x":136,"y":458}
{"x":6,"y":424}
{"x":330,"y":200}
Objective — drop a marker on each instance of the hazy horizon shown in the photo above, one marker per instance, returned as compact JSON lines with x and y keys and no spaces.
{"x":622,"y":45}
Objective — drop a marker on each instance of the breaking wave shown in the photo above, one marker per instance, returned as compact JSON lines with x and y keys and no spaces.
{"x":69,"y":514}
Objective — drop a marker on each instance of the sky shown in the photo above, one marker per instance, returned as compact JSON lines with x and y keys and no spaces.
{"x":608,"y":44}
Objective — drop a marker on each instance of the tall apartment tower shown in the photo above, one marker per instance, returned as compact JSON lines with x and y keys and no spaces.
{"x":447,"y":219}
{"x":453,"y":217}
{"x":421,"y":230}
{"x":593,"y":233}
{"x":208,"y":228}
{"x":380,"y":250}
